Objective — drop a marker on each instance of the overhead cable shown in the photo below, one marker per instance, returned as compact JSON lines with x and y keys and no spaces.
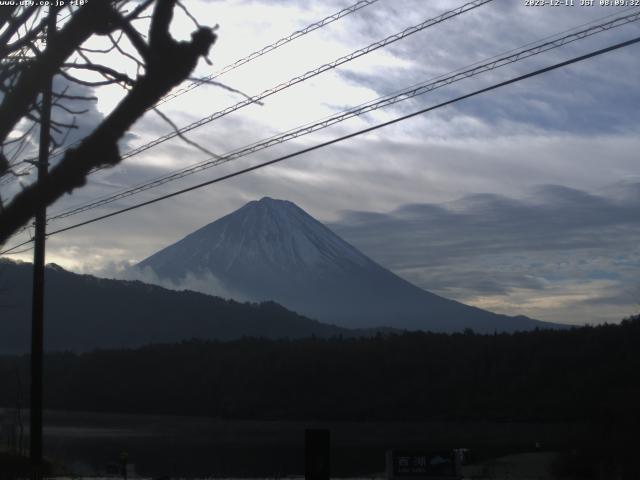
{"x":269,"y":48}
{"x":410,"y":92}
{"x":345,"y":137}
{"x":232,"y":66}
{"x":309,"y":74}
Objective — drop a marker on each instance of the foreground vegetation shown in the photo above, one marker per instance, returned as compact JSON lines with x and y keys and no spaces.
{"x":572,"y":390}
{"x":587,"y":373}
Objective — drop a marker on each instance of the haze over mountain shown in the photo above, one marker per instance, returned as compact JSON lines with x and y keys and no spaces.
{"x":83,"y":312}
{"x":273,"y":250}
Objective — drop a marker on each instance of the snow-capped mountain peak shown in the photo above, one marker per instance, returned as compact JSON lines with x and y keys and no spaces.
{"x":263,"y":234}
{"x":271,"y":249}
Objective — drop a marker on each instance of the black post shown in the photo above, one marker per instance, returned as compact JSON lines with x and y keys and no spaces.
{"x":37,"y":312}
{"x":317,"y":464}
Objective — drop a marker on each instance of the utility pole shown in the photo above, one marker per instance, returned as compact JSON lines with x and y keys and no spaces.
{"x":37,"y":313}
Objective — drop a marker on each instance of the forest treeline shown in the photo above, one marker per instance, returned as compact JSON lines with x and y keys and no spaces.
{"x":86,"y":312}
{"x":583,"y":373}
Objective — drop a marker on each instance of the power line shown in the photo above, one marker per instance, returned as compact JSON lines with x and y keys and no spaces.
{"x":20,"y":251}
{"x":12,"y":250}
{"x":413,"y":91}
{"x":232,"y":66}
{"x":264,"y":50}
{"x":469,"y":68}
{"x":305,"y":76}
{"x":15,"y":247}
{"x":342,"y":138}
{"x":309,"y":74}
{"x":351,"y":135}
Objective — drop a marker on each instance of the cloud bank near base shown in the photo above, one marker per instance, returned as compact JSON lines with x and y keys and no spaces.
{"x":575,"y":258}
{"x":540,"y":253}
{"x":206,"y":283}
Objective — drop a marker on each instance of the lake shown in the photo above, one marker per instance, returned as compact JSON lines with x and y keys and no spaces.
{"x":204,"y":447}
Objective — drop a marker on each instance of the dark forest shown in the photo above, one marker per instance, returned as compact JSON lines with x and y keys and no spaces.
{"x":586,"y":373}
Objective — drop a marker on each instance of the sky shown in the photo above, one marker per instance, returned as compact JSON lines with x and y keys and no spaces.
{"x":523,"y":200}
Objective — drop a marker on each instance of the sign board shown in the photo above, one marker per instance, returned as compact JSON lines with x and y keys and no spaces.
{"x":417,"y":464}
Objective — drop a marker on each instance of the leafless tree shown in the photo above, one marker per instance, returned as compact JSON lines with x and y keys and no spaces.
{"x":28,"y":62}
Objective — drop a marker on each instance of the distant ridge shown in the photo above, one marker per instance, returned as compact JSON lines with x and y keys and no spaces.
{"x":83,"y":312}
{"x":273,"y":250}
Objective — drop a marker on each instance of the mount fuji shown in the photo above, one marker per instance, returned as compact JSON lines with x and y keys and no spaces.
{"x":273,"y":250}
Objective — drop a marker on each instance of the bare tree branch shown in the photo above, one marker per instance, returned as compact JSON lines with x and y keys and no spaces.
{"x":58,"y":143}
{"x":107,"y":72}
{"x":182,"y":136}
{"x":188,"y":14}
{"x":73,"y":97}
{"x":69,"y":110}
{"x":14,"y":24}
{"x":138,"y":10}
{"x":6,"y":13}
{"x":225,"y":87}
{"x":167,"y":64}
{"x":85,"y":22}
{"x":86,"y":83}
{"x":30,"y":36}
{"x":136,"y":39}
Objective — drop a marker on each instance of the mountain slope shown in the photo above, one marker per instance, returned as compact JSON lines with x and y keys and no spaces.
{"x":83,"y":312}
{"x":273,"y":250}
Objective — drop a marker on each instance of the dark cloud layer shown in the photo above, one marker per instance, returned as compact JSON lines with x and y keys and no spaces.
{"x":554,"y":218}
{"x":490,"y":244}
{"x":582,"y":98}
{"x":555,"y":249}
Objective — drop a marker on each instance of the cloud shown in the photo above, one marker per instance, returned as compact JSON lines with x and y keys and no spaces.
{"x":484,"y":248}
{"x":205,"y":283}
{"x":581,"y":98}
{"x":616,"y":296}
{"x":552,"y":218}
{"x":576,"y":303}
{"x":574,"y":131}
{"x":72,"y":120}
